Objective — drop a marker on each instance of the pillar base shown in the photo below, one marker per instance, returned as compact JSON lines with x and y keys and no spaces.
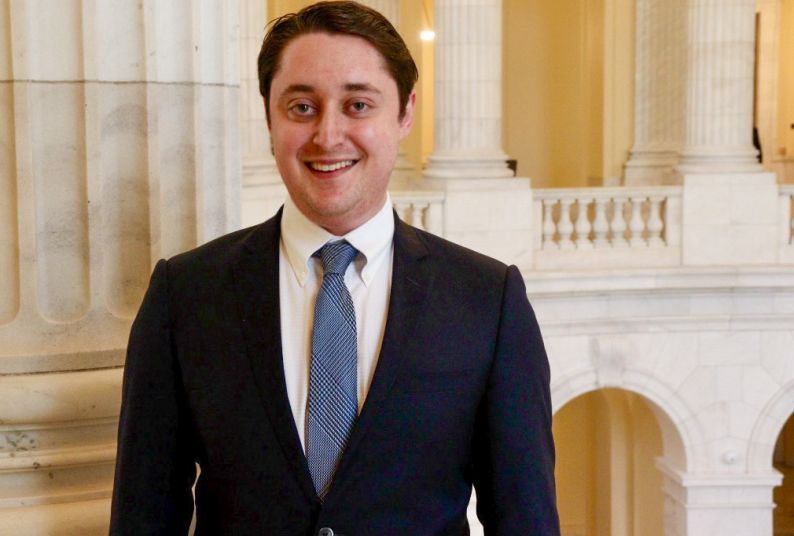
{"x":492,"y":216}
{"x":57,"y":451}
{"x":403,"y":172}
{"x":467,"y":167}
{"x":730,"y":219}
{"x":651,"y":168}
{"x":719,"y":161}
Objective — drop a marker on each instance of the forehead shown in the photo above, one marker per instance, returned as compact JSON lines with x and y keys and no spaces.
{"x":329,"y":58}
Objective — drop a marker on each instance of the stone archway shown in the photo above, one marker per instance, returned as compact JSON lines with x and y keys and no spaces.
{"x":768,"y":427}
{"x":607,"y":483}
{"x":682,"y":438}
{"x":783,"y":460}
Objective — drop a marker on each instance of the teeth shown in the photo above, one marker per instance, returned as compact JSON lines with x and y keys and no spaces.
{"x":330,"y":167}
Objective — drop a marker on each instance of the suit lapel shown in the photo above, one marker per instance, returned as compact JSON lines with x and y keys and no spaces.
{"x":411,"y":280}
{"x":257,"y":289}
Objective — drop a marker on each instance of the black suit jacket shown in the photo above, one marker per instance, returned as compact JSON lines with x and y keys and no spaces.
{"x":460,"y":395}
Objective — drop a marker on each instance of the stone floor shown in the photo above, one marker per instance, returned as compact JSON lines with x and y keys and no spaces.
{"x":784,"y":498}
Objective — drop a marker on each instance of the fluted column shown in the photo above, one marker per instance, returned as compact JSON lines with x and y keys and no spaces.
{"x":719,"y":111}
{"x":468,"y":91}
{"x":118,"y":146}
{"x":659,"y":103}
{"x":259,"y":166}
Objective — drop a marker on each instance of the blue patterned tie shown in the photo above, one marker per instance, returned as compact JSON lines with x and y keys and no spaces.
{"x":333,"y":388}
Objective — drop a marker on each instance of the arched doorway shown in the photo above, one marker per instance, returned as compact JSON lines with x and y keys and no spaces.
{"x":783,"y":459}
{"x":607,"y":481}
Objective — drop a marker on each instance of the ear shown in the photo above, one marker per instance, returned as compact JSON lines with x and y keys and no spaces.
{"x":267,"y":115}
{"x":408,"y":117}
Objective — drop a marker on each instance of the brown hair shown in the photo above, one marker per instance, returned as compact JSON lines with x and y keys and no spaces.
{"x":349,"y":18}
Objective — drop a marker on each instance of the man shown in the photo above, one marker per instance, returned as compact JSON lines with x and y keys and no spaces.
{"x":334,"y":370}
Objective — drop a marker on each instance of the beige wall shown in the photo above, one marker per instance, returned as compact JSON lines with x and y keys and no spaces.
{"x":786,"y":80}
{"x":568,"y":87}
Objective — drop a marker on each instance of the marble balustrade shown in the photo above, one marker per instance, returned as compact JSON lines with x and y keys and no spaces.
{"x":421,"y":209}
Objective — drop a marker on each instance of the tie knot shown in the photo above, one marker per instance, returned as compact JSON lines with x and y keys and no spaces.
{"x":336,"y":256}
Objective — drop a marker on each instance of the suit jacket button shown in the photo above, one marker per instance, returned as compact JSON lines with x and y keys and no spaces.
{"x":325,"y":531}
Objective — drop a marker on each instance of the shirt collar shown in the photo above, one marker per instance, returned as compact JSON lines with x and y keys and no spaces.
{"x":301,"y":237}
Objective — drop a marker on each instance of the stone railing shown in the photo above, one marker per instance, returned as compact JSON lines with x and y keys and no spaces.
{"x":422,"y":209}
{"x":607,"y":227}
{"x":577,"y":228}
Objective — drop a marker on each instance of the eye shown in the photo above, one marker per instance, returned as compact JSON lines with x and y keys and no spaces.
{"x":359,"y":106}
{"x":302,"y":109}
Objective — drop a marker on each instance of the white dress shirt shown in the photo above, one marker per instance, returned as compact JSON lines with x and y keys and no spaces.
{"x":300,"y":275}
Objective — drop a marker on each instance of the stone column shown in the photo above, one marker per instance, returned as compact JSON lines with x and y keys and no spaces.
{"x":719,"y":109}
{"x":659,"y":92}
{"x":730,"y":205}
{"x":263,"y":192}
{"x":468,"y":91}
{"x":118,"y":146}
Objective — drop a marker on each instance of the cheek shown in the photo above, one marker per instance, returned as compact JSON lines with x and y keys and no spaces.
{"x":377,"y":139}
{"x":287,"y":141}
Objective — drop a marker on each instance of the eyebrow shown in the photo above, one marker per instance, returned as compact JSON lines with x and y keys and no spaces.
{"x":362,"y":87}
{"x":305,"y":88}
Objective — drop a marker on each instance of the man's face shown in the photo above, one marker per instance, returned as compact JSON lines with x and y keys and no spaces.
{"x":335,"y":127}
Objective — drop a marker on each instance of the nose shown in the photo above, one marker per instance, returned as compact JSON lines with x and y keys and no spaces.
{"x":330,"y":129}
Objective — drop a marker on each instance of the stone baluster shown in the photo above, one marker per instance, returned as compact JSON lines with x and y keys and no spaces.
{"x":417,"y":218}
{"x":582,"y":225}
{"x":434,"y":218}
{"x":400,"y":208}
{"x":618,"y":222}
{"x":791,"y":228}
{"x":468,"y":91}
{"x":118,"y":146}
{"x":600,"y":223}
{"x":636,"y":223}
{"x":719,"y":104}
{"x":549,"y":228}
{"x":655,"y":223}
{"x":565,"y":224}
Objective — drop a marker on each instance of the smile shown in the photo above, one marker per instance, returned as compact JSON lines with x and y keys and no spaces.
{"x":318,"y":166}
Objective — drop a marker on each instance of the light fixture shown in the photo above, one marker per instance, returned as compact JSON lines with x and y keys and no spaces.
{"x":427,"y":35}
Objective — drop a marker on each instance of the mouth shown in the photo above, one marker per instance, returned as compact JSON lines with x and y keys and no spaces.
{"x":330,"y":166}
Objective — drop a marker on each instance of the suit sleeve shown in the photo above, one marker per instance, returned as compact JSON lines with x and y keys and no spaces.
{"x":155,"y":468}
{"x":514,"y":448}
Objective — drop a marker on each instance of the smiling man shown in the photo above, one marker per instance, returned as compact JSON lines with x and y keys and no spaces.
{"x":334,"y":371}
